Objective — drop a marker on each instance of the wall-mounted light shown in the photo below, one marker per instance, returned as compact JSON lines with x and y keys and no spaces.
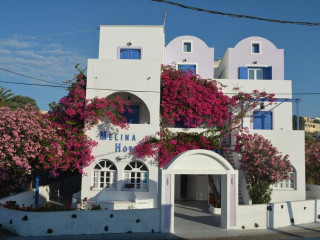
{"x":119,"y":158}
{"x":262,"y":105}
{"x":184,"y":60}
{"x":255,"y":62}
{"x":129,"y":97}
{"x":129,"y":44}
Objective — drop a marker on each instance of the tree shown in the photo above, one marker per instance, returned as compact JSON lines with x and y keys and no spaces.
{"x":262,"y":164}
{"x":316,"y":121}
{"x":312,"y":162}
{"x":301,"y":122}
{"x":5,"y":95}
{"x":28,"y":142}
{"x":19,"y":101}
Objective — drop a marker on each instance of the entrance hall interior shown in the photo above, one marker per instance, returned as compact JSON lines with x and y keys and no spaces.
{"x":191,"y":209}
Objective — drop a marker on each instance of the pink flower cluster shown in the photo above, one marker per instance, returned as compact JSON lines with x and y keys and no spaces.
{"x":194,"y":101}
{"x":28,"y":141}
{"x":312,"y":162}
{"x":260,"y":160}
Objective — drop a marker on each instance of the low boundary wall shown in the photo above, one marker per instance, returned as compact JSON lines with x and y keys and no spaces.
{"x":80,"y":222}
{"x":275,"y":215}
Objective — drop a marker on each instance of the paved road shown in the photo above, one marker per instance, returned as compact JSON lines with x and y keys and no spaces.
{"x":306,"y":231}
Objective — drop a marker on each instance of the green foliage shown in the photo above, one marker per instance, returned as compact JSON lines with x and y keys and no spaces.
{"x":260,"y":192}
{"x":19,"y":101}
{"x":301,"y":122}
{"x":5,"y":95}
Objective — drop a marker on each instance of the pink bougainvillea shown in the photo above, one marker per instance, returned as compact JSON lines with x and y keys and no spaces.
{"x":195,"y":102}
{"x":262,"y":164}
{"x":74,"y":114}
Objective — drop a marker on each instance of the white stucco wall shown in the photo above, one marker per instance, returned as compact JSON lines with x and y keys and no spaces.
{"x":149,"y":38}
{"x":279,"y":214}
{"x":282,"y":112}
{"x":80,"y":222}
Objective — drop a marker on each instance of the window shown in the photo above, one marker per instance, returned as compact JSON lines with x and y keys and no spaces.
{"x":136,"y":176}
{"x":289,"y":183}
{"x":130,"y":53}
{"x":187,"y":47}
{"x":255,"y":73}
{"x":104,"y":175}
{"x":188,"y":67}
{"x":262,"y":120}
{"x":134,"y":116}
{"x":255,"y":48}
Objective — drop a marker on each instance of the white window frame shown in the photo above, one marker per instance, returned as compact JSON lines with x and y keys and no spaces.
{"x":97,"y":175}
{"x":187,"y":63}
{"x":132,"y":176}
{"x":287,"y":184}
{"x":260,"y":47}
{"x":187,"y":41}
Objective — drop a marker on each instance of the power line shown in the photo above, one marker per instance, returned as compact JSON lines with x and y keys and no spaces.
{"x":60,"y":34}
{"x":34,"y":78}
{"x":127,"y":90}
{"x":238,"y":15}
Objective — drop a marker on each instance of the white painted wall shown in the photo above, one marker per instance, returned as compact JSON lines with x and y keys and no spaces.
{"x":282,"y":112}
{"x":86,"y":222}
{"x":280,"y":215}
{"x":27,"y":198}
{"x":147,"y":37}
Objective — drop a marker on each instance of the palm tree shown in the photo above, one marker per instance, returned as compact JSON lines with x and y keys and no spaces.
{"x":5,"y":95}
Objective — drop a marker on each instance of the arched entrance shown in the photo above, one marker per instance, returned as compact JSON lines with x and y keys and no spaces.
{"x":199,"y":162}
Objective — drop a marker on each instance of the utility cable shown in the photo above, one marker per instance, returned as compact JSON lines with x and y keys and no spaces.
{"x":129,"y":90}
{"x":238,"y":15}
{"x":60,"y":34}
{"x":34,"y":78}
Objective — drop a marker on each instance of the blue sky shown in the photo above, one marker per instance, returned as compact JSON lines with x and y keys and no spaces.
{"x":23,"y":22}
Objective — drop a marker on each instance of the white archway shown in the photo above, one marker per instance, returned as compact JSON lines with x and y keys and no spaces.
{"x":200,"y":162}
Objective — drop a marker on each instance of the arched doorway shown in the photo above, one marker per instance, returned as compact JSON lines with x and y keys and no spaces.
{"x":198,"y":162}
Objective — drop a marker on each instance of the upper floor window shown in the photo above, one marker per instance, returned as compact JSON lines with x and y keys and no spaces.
{"x":262,"y":120}
{"x":130,"y":53}
{"x":104,"y":175}
{"x":134,"y":116}
{"x":255,"y":73}
{"x":136,"y":176}
{"x":187,"y":47}
{"x":255,"y":47}
{"x":188,"y":67}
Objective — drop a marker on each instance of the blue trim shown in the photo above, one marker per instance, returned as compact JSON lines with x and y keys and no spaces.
{"x":36,"y":197}
{"x":243,"y":73}
{"x":130,"y":53}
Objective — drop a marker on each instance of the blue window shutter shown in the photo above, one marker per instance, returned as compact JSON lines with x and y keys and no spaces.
{"x":130,"y":53}
{"x":133,"y":117}
{"x":243,"y":73}
{"x":135,"y":54}
{"x":187,"y":67}
{"x":267,"y":73}
{"x":262,"y":120}
{"x":267,"y":120}
{"x":257,"y":120}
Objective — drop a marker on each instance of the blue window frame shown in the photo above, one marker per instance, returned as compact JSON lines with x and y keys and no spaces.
{"x":130,"y":53}
{"x":255,"y":73}
{"x":133,"y":117}
{"x":187,"y":67}
{"x":262,"y":120}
